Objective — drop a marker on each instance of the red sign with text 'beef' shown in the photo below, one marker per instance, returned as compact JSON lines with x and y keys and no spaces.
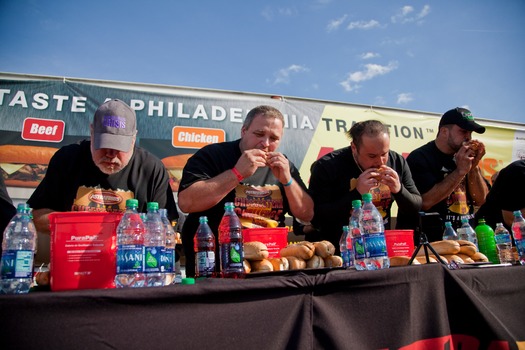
{"x":48,"y":130}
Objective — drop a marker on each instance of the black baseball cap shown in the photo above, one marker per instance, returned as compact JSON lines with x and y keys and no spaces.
{"x":463,"y":118}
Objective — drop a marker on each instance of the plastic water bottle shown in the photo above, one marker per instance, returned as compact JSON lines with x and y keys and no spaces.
{"x":231,"y":244}
{"x":358,"y":245}
{"x":168,"y":261}
{"x":373,"y":231}
{"x":504,"y":244}
{"x":449,"y":234}
{"x":154,"y":244}
{"x":518,"y":230}
{"x":466,"y":232}
{"x":130,"y":248}
{"x":204,"y":246}
{"x":18,"y":251}
{"x":486,"y":242}
{"x":344,"y":248}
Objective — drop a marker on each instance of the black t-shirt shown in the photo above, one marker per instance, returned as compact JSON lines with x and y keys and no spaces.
{"x":430,"y":166}
{"x":74,"y":183}
{"x":333,"y":188}
{"x":260,"y":200}
{"x":507,"y":193}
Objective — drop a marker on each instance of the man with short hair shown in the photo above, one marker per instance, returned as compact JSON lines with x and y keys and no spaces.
{"x":367,"y":165}
{"x":447,"y":174}
{"x":263,"y":184}
{"x":100,"y":174}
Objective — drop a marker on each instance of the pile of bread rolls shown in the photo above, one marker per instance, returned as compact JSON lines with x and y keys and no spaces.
{"x":300,"y":255}
{"x":461,"y":251}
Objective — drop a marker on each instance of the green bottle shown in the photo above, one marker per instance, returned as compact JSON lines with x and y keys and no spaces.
{"x":486,"y":242}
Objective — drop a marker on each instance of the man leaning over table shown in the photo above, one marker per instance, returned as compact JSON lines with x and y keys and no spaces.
{"x":367,"y":165}
{"x":109,"y":161}
{"x":447,"y":173}
{"x":240,"y":171}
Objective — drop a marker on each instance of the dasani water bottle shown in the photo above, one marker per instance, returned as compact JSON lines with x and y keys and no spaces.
{"x":18,"y":250}
{"x":130,"y":248}
{"x":373,"y":230}
{"x":154,"y":244}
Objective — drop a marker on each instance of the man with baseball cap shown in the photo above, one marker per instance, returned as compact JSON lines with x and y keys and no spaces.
{"x":100,"y":174}
{"x":447,"y":174}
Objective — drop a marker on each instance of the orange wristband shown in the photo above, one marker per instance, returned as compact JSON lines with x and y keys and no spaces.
{"x":237,"y":174}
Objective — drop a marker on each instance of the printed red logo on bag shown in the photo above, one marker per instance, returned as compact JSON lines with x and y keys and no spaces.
{"x":49,"y":130}
{"x":105,"y":197}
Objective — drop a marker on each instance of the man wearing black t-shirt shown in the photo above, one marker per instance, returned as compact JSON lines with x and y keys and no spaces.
{"x":102,"y":173}
{"x":367,"y":165}
{"x":263,"y":183}
{"x":506,"y":196}
{"x":446,"y":172}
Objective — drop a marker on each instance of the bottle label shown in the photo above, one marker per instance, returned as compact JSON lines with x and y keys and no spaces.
{"x":130,"y":258}
{"x":520,"y":247}
{"x":232,"y":256}
{"x":359,"y":248}
{"x":152,"y":259}
{"x":167,"y":259}
{"x":205,"y":263}
{"x":375,"y":245}
{"x":502,"y":238}
{"x":17,"y":264}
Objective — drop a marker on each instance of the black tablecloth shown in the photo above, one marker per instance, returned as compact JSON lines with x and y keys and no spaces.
{"x":415,"y":307}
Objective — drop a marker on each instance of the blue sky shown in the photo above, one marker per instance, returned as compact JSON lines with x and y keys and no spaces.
{"x":419,"y":55}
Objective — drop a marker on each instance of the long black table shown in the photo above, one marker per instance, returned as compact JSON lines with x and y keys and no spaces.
{"x":414,"y":307}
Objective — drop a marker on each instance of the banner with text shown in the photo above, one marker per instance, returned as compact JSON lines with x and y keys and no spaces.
{"x":174,"y":121}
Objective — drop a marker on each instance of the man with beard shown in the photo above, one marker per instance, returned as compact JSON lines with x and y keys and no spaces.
{"x":447,"y":174}
{"x":367,"y":165}
{"x":100,"y":174}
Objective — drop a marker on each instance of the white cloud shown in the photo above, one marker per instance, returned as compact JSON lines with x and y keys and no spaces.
{"x":283,"y":75}
{"x":404,"y":98}
{"x":267,"y":13}
{"x":369,"y":55}
{"x":335,"y":24}
{"x":363,"y":25}
{"x":406,"y":15}
{"x":370,"y":71}
{"x":287,"y":11}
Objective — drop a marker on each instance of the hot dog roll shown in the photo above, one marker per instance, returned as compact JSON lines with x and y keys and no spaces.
{"x":479,"y":257}
{"x":324,"y":249}
{"x":280,"y":264}
{"x":261,"y":265}
{"x":315,"y":262}
{"x":467,"y":247}
{"x":443,"y":247}
{"x":304,"y":250}
{"x":255,"y":250}
{"x":333,"y":261}
{"x":466,"y":258}
{"x":296,"y":263}
{"x":454,"y":257}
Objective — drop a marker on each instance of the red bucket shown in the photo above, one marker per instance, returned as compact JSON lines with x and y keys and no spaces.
{"x":83,"y":250}
{"x":274,"y":238}
{"x":399,"y":242}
